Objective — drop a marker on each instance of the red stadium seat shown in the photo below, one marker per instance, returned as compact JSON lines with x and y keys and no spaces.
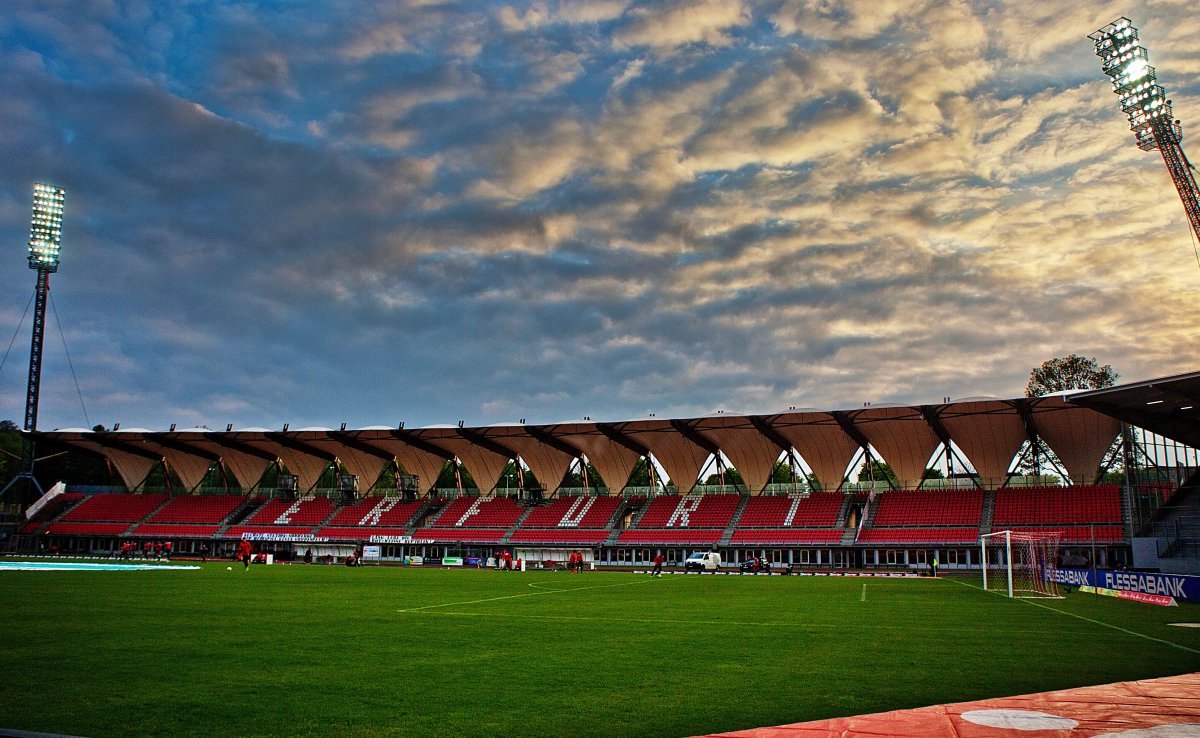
{"x":919,"y":535}
{"x":690,"y":511}
{"x":818,"y":510}
{"x":565,"y":536}
{"x":87,"y":529}
{"x":454,"y":535}
{"x":786,"y":536}
{"x":359,"y":533}
{"x":583,"y":511}
{"x":671,"y":536}
{"x":479,"y":512}
{"x":199,"y":509}
{"x":114,"y":508}
{"x":175,"y":530}
{"x":1049,"y":505}
{"x":946,"y":508}
{"x":305,"y":511}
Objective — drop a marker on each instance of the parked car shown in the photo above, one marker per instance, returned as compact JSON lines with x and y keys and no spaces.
{"x":755,"y":565}
{"x":703,"y":561}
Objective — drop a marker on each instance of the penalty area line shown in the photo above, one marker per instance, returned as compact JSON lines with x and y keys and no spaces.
{"x":517,"y":596}
{"x":1091,"y":620}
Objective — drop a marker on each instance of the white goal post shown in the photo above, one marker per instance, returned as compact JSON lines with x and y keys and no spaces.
{"x":1020,"y":564}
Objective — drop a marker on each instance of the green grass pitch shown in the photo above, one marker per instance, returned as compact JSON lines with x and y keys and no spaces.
{"x":332,"y":651}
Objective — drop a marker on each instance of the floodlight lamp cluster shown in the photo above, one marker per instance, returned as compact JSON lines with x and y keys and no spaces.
{"x":1127,"y":63}
{"x":45,"y":228}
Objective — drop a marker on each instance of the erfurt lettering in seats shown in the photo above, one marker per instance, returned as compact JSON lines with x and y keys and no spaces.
{"x":687,"y":505}
{"x":286,"y":517}
{"x":792,"y":508}
{"x":579,"y":508}
{"x":471,"y":511}
{"x":383,"y":506}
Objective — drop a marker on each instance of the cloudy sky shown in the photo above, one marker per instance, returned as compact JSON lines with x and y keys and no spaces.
{"x":420,"y":211}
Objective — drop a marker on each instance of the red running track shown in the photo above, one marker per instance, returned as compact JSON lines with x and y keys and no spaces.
{"x":1153,"y":708}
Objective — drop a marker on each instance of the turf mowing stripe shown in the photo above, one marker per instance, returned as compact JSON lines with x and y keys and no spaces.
{"x":864,"y":594}
{"x":1090,"y":620}
{"x":768,"y":624}
{"x":526,"y":594}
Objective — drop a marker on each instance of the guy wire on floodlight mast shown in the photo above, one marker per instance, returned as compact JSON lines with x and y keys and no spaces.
{"x":1145,"y":102}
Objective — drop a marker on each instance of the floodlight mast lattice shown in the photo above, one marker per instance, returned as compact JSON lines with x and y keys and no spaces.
{"x":45,"y":241}
{"x":1145,"y":102}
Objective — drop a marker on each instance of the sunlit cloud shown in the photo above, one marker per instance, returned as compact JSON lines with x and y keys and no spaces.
{"x":427,"y":211}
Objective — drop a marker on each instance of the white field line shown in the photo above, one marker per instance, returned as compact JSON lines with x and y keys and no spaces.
{"x":1093,"y":621}
{"x":864,"y":594}
{"x":526,"y":594}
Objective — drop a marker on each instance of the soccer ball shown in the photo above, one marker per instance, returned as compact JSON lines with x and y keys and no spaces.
{"x":229,"y":568}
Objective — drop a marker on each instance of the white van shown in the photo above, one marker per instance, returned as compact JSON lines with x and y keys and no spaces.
{"x":703,"y":561}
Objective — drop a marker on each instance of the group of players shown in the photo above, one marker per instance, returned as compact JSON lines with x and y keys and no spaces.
{"x":157,"y":550}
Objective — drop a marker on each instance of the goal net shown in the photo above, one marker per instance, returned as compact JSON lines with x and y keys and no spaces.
{"x":1020,"y":564}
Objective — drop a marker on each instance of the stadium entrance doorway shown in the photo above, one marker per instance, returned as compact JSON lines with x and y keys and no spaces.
{"x":846,"y":558}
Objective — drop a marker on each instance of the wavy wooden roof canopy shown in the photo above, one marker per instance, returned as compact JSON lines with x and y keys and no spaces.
{"x":988,"y":433}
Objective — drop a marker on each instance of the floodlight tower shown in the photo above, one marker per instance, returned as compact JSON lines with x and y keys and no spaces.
{"x":45,"y":236}
{"x":1153,"y":124}
{"x":45,"y":239}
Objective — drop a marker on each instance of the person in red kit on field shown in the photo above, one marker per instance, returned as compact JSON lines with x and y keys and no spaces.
{"x":244,"y":550}
{"x":658,"y":564}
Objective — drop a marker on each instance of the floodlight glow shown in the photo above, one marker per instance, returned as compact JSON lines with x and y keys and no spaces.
{"x":45,"y":227}
{"x":1136,"y":69}
{"x":1127,"y":64}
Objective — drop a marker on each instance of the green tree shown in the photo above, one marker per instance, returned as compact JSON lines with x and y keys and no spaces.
{"x":511,"y":480}
{"x":878,"y":471}
{"x":640,"y":476}
{"x":446,"y":480}
{"x":784,"y":473}
{"x":781,"y":472}
{"x":733,"y":477}
{"x":1070,"y":372}
{"x":573,"y":479}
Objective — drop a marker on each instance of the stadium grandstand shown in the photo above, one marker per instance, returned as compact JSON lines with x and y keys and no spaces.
{"x":799,"y":497}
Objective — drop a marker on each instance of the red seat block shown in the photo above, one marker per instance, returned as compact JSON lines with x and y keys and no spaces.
{"x":87,"y":529}
{"x":669,"y":536}
{"x":786,"y":536}
{"x":574,"y":536}
{"x":479,"y":512}
{"x":358,"y":533}
{"x":919,"y":535}
{"x":376,"y":512}
{"x":175,"y":530}
{"x":453,"y":535}
{"x":115,"y":508}
{"x":574,"y":512}
{"x":198,"y":509}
